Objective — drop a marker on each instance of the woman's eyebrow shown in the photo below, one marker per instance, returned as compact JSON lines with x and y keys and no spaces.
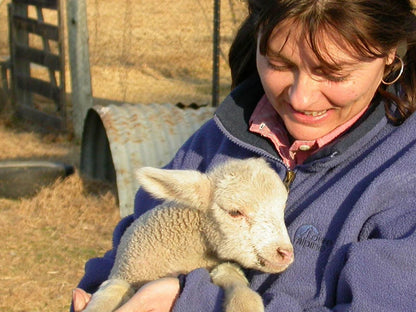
{"x":276,"y":54}
{"x":348,"y":65}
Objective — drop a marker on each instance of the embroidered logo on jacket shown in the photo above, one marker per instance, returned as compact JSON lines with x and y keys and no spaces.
{"x":308,"y":236}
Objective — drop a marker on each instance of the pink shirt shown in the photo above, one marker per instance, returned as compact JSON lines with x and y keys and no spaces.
{"x":266,"y":122}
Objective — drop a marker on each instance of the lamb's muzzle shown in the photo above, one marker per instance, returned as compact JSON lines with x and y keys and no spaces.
{"x":286,"y":253}
{"x":284,"y":258}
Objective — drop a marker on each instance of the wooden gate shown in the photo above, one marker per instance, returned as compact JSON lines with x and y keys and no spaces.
{"x":37,"y":61}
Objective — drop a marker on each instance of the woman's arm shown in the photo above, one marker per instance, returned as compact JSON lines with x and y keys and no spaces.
{"x":98,"y":269}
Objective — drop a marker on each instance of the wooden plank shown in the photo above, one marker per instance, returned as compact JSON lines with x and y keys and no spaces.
{"x":40,"y":57}
{"x":4,"y":67}
{"x":30,"y":25}
{"x":47,"y":120}
{"x":46,"y":47}
{"x":38,"y":86}
{"x":61,"y":48}
{"x":22,"y":67}
{"x":47,"y":4}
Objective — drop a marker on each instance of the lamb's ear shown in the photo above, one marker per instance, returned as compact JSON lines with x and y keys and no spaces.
{"x":188,"y":187}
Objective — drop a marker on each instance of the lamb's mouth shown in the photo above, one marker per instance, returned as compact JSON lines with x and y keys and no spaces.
{"x":270,"y":266}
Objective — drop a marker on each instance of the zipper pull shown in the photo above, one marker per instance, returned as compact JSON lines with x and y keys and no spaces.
{"x":290,"y":177}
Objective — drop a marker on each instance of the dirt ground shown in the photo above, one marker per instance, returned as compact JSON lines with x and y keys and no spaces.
{"x":48,"y":237}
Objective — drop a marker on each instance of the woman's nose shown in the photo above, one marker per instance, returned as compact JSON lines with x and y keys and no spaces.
{"x":304,"y":91}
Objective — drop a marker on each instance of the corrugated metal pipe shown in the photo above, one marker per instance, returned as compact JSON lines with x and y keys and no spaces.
{"x":118,"y":139}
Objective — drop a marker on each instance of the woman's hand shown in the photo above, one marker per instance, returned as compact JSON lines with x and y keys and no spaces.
{"x":156,"y":296}
{"x":80,"y":298}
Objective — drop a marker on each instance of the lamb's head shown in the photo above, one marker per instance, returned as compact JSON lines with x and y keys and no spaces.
{"x":244,"y":203}
{"x":247,"y":210}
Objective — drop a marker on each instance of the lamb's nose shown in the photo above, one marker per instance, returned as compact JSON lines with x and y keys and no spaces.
{"x":286,"y":253}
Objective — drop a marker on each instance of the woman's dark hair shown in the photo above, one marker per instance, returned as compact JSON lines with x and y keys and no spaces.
{"x":372,"y":28}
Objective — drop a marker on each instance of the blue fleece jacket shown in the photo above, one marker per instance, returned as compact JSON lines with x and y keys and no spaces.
{"x":351,"y":215}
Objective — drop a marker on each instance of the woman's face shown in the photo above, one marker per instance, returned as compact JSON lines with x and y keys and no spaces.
{"x":310,"y":101}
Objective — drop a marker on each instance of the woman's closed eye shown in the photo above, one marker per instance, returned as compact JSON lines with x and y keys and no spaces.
{"x":279,"y":66}
{"x":322,"y":75}
{"x":338,"y":75}
{"x":332,"y":76}
{"x":277,"y":62}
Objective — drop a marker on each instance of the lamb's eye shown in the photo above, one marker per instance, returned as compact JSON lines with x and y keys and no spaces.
{"x":235,"y":213}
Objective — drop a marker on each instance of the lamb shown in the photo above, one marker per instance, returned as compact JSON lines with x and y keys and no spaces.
{"x":231,"y":216}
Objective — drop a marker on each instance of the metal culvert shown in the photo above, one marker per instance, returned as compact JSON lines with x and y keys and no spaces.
{"x":118,"y":139}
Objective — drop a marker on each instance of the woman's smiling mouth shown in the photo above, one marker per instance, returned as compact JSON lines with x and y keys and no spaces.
{"x":314,"y":114}
{"x":309,"y":116}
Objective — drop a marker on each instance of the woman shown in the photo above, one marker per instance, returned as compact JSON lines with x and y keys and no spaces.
{"x":324,"y":91}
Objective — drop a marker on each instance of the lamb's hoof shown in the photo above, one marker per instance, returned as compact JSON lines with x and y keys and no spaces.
{"x":112,"y":294}
{"x":228,"y":274}
{"x":238,"y":296}
{"x":243,"y":299}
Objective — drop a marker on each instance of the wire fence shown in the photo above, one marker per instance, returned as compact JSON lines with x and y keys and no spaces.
{"x":153,"y":51}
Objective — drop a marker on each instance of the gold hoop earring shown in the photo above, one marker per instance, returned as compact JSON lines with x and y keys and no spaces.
{"x":398,"y":76}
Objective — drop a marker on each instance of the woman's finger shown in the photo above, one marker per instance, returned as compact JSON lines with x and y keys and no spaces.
{"x":80,"y":299}
{"x":159,"y":295}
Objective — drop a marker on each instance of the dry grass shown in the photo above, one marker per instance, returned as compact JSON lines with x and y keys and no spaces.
{"x":20,"y":142}
{"x":49,"y":237}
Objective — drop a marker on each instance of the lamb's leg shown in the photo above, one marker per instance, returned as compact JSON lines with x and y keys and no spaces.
{"x":111,"y":294}
{"x":238,"y":296}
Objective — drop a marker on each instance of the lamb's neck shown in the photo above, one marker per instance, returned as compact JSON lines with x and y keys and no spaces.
{"x":210,"y":233}
{"x":201,"y":251}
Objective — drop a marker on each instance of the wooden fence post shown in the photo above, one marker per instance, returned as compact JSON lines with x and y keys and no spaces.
{"x":79,"y":62}
{"x":216,"y":53}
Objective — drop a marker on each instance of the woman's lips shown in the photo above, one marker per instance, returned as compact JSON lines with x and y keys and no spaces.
{"x":309,"y":116}
{"x":314,"y":114}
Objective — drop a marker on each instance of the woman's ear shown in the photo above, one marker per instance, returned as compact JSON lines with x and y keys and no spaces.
{"x":400,"y":51}
{"x":391,"y":56}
